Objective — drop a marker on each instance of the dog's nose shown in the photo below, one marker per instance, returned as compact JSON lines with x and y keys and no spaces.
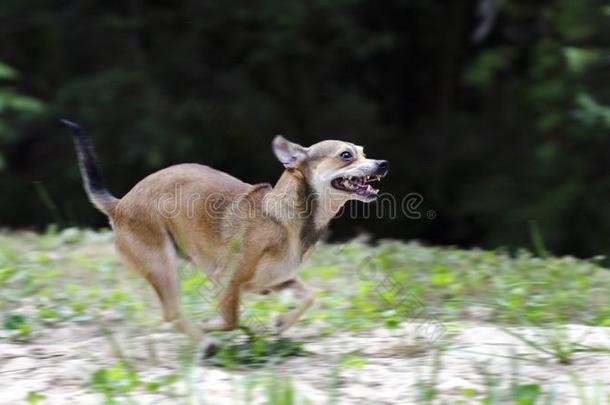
{"x":382,"y":165}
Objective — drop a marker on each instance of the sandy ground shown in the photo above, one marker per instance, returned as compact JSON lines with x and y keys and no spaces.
{"x":59,"y":363}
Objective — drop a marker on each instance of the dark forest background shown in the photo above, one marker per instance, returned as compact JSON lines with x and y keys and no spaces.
{"x":496,"y":112}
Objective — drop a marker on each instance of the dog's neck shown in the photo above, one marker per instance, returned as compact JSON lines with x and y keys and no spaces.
{"x":295,"y":204}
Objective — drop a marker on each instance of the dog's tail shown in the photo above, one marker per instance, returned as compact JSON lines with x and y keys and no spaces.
{"x":90,"y":170}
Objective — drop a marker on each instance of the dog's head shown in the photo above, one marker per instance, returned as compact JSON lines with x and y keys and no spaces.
{"x":335,"y":169}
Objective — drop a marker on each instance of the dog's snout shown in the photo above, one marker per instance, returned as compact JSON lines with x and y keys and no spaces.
{"x":382,"y":167}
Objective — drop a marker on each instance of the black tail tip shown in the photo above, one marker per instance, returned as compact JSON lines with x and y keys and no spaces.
{"x":70,"y":124}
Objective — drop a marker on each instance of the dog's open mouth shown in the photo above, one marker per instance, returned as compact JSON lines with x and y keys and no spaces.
{"x":357,"y":185}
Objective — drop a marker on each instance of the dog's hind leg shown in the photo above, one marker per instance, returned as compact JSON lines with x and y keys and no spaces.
{"x":302,"y":293}
{"x":154,"y":257}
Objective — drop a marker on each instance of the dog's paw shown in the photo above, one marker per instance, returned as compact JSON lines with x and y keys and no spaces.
{"x":279,"y":323}
{"x":209,"y":347}
{"x":282,"y":323}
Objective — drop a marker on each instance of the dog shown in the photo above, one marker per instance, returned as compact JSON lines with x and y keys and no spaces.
{"x":255,"y":236}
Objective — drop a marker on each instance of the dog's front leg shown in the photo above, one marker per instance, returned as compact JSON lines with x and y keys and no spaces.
{"x":303,"y":294}
{"x":228,"y":309}
{"x":228,"y":303}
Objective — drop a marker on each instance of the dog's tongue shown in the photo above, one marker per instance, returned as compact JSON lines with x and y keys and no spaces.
{"x":360,"y":185}
{"x":359,"y":181}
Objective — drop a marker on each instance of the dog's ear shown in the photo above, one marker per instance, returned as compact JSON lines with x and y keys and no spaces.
{"x":290,"y":154}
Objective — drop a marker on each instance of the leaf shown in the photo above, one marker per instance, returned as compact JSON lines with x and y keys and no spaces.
{"x":24,"y":103}
{"x":590,"y":112}
{"x":7,"y":72}
{"x":487,"y":65}
{"x":351,"y":361}
{"x":34,"y":397}
{"x":15,"y":322}
{"x":579,"y":58}
{"x":526,"y":394}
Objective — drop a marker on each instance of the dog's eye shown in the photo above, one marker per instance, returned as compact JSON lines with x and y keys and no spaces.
{"x":346,"y":155}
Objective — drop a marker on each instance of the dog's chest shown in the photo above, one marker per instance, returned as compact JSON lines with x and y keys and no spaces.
{"x":274,"y":270}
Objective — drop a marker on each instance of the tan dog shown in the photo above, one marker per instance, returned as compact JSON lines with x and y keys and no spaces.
{"x":206,"y":214}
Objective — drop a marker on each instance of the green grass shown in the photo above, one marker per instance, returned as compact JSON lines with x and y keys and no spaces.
{"x":393,"y":280}
{"x":253,"y":351}
{"x":73,"y":277}
{"x":388,"y":283}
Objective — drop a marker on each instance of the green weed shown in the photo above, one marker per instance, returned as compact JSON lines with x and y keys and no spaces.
{"x":253,"y":351}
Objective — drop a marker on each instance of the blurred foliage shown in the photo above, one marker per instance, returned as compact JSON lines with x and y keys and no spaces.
{"x":13,"y":105}
{"x":492,"y":134}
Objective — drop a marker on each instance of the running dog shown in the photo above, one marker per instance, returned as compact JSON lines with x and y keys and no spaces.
{"x":255,"y":237}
